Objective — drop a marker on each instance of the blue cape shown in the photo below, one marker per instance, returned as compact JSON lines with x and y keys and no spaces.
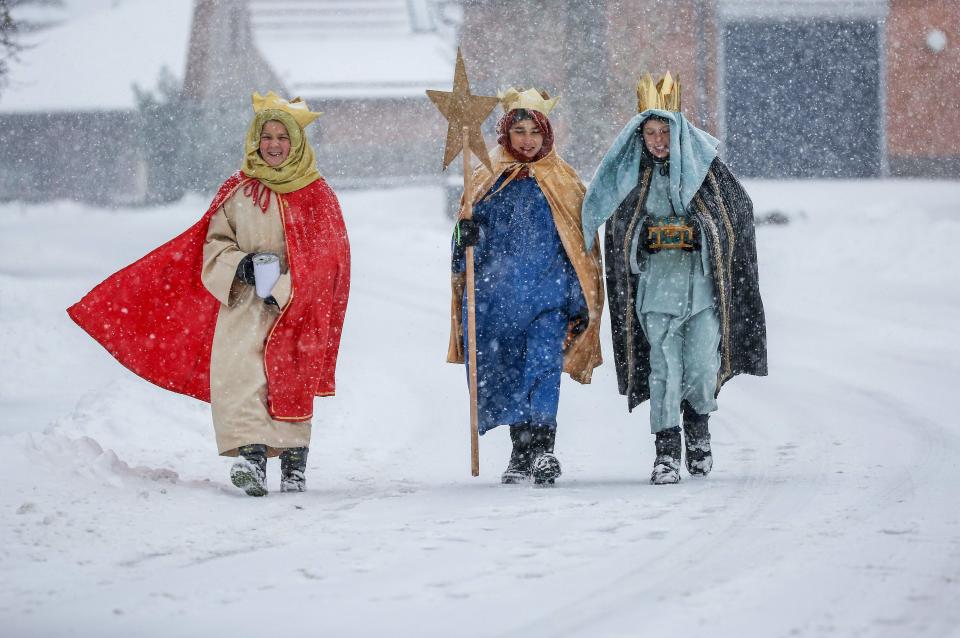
{"x":619,"y":170}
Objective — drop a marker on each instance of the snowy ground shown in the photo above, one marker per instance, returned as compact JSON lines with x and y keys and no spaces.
{"x":832,"y":509}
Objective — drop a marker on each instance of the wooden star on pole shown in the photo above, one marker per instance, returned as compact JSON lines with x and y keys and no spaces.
{"x":463,"y":109}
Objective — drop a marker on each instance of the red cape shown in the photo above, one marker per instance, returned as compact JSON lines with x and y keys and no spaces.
{"x":157,"y":318}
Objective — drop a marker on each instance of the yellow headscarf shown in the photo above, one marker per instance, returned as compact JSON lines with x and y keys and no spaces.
{"x":298,"y":170}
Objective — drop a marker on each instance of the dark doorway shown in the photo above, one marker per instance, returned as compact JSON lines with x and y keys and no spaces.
{"x":803,"y":98}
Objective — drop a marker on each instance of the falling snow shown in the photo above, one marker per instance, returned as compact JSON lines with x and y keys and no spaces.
{"x":832,"y":506}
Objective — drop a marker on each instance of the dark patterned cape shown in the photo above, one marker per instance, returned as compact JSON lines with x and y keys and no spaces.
{"x":725,"y":215}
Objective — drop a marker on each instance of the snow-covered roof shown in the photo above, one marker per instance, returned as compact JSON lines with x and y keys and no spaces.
{"x":90,"y":61}
{"x":352,"y":48}
{"x":800,"y":9}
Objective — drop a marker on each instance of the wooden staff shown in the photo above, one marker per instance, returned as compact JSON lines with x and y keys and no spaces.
{"x":465,"y":113}
{"x":471,"y":313}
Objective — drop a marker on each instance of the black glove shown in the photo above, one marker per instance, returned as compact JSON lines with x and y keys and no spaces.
{"x":578,"y":322}
{"x":644,"y":245}
{"x":270,"y":301}
{"x":245,"y":270}
{"x":467,"y":233}
{"x":694,"y":242}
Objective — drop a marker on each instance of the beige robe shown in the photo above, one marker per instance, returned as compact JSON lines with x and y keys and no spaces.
{"x":238,"y":382}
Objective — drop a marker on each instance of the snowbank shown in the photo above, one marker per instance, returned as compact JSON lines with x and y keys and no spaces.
{"x":831,"y":509}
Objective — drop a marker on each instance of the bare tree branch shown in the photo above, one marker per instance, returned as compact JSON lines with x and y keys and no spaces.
{"x":11,"y":29}
{"x":8,"y":43}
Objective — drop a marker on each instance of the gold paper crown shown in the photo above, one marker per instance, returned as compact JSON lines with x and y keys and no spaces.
{"x":664,"y":95}
{"x":531,"y":100}
{"x":296,"y":107}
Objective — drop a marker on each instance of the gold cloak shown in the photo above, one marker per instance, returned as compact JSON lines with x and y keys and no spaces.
{"x":564,"y":193}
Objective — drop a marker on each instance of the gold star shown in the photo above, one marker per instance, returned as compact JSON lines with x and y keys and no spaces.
{"x":462,"y":109}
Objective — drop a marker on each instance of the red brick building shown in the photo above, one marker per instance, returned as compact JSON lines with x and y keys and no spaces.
{"x":923,"y":87}
{"x":794,"y":88}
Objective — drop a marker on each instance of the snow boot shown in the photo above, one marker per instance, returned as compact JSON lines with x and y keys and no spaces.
{"x":546,"y":467}
{"x":696,"y":439}
{"x":293,"y":468}
{"x":520,"y":466}
{"x":249,"y":473}
{"x":666,"y":467}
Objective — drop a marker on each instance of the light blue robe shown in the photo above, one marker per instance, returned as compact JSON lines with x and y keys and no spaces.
{"x":675,"y":305}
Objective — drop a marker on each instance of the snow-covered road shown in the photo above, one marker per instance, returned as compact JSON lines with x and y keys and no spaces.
{"x":833,"y":508}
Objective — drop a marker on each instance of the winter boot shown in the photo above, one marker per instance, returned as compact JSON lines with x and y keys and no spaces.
{"x":546,"y":467}
{"x":666,"y":468}
{"x":696,"y":438}
{"x":293,"y":468}
{"x":249,"y":473}
{"x":520,"y":465}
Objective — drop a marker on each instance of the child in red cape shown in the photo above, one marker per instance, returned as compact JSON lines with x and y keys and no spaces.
{"x":188,"y":316}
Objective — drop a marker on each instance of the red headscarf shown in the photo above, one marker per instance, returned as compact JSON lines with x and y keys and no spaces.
{"x":508,"y":120}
